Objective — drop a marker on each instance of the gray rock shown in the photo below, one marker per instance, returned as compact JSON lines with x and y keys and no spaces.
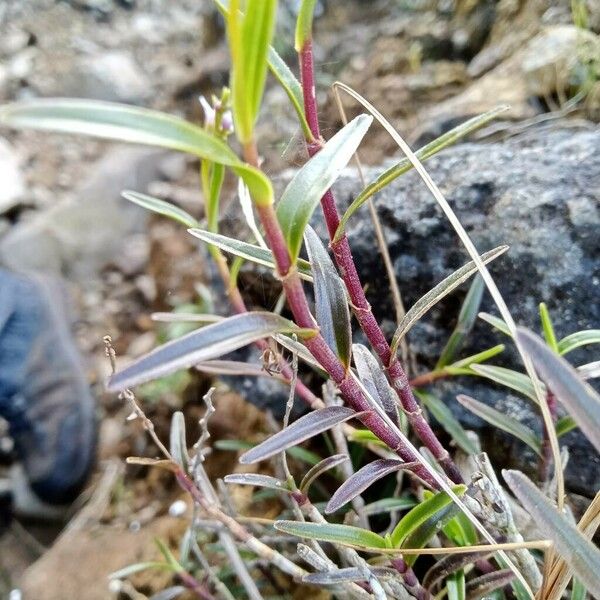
{"x":79,"y":236}
{"x":539,"y":193}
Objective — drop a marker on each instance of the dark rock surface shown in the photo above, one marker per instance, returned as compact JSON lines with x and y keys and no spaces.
{"x":538,"y":193}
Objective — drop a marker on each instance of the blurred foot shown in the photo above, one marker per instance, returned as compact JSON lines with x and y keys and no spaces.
{"x":44,"y":395}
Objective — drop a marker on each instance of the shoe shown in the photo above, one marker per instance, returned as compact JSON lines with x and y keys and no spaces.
{"x":44,"y":395}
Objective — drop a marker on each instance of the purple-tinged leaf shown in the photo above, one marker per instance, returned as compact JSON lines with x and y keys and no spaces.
{"x":331,"y":305}
{"x":362,"y":479}
{"x":579,"y":553}
{"x":373,"y":378}
{"x":483,"y":586}
{"x":329,"y":532}
{"x":304,"y":428}
{"x":203,"y":344}
{"x":579,"y":398}
{"x":317,"y":470}
{"x":446,"y":566}
{"x":257,"y":480}
{"x":349,"y":574}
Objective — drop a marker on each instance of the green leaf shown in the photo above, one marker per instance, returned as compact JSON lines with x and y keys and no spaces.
{"x":548,"y":328}
{"x":578,"y":591}
{"x":365,"y":436}
{"x":455,"y":586}
{"x":579,"y":398}
{"x":564,"y":425}
{"x":496,"y":322}
{"x":304,"y":192}
{"x":284,"y":76}
{"x":137,"y":568}
{"x":405,"y":165}
{"x":328,"y":532}
{"x":579,"y":553}
{"x":251,"y":252}
{"x":178,"y":444}
{"x":580,"y":338}
{"x":388,"y":505}
{"x":420,"y":513}
{"x":168,"y":556}
{"x":109,"y":120}
{"x":466,"y":320}
{"x":249,"y":36}
{"x":501,"y":421}
{"x":478,"y":358}
{"x":161,"y":207}
{"x":206,"y":343}
{"x":331,"y":305}
{"x":507,"y":377}
{"x":461,"y":531}
{"x":304,"y":24}
{"x":443,"y":415}
{"x":441,"y":290}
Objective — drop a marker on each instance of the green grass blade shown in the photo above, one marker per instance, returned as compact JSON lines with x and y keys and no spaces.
{"x":304,"y":192}
{"x":466,"y":320}
{"x":424,"y":153}
{"x":304,"y":24}
{"x":564,"y":425}
{"x":496,"y":322}
{"x":548,"y":328}
{"x":420,"y":513}
{"x":443,"y":415}
{"x":507,"y":377}
{"x":501,"y":421}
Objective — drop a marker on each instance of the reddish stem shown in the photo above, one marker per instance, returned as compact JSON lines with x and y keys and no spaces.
{"x":298,"y":303}
{"x":362,"y":309}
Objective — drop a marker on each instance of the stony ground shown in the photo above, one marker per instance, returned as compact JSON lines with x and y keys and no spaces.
{"x":425,"y":64}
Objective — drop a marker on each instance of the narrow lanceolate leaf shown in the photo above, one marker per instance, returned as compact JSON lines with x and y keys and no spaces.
{"x":446,"y":566}
{"x":441,"y":290}
{"x":209,"y":342}
{"x":501,"y":421}
{"x":388,"y":505}
{"x":484,"y":585}
{"x":249,"y":36}
{"x":373,"y":378}
{"x":257,"y":480}
{"x":234,"y":368}
{"x":443,"y":415}
{"x":548,"y":327}
{"x":251,"y":252}
{"x":564,"y":425}
{"x":420,"y":513}
{"x":362,"y":479}
{"x":137,"y":568}
{"x":580,"y":338}
{"x":349,"y":574}
{"x":496,"y":322}
{"x":327,"y":532}
{"x":405,"y":165}
{"x":133,"y":124}
{"x":283,"y":74}
{"x":178,"y":445}
{"x":579,"y":398}
{"x":161,"y":207}
{"x":322,"y":467}
{"x":331,"y":306}
{"x":507,"y":377}
{"x":466,"y":320}
{"x":304,"y":428}
{"x":304,"y":192}
{"x":579,"y":553}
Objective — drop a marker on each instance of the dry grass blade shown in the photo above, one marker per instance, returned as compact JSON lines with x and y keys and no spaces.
{"x":482,"y":548}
